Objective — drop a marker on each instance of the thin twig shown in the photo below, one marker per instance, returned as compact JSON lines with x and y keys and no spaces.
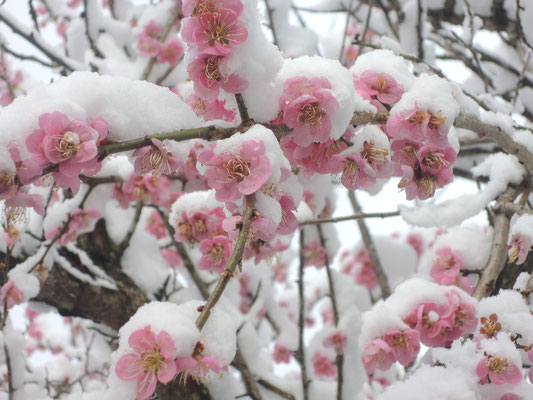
{"x":126,"y":241}
{"x":350,"y":218}
{"x":371,"y":249}
{"x":176,"y":13}
{"x":300,"y":353}
{"x":333,"y":297}
{"x":233,"y":262}
{"x":270,"y":13}
{"x":275,"y":389}
{"x":243,"y":111}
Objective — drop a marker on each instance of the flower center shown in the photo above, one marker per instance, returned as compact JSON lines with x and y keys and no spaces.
{"x":184,"y":229}
{"x":211,"y":70}
{"x":381,"y":85}
{"x":445,"y":262}
{"x":153,"y":360}
{"x":68,"y":145}
{"x":435,"y":160}
{"x":400,"y":341}
{"x":311,"y":114}
{"x":374,"y":154}
{"x":217,"y":31}
{"x":427,"y":185}
{"x":199,"y":225}
{"x":216,"y":253}
{"x":435,"y":120}
{"x":155,"y":160}
{"x":490,"y":325}
{"x":7,"y":182}
{"x":497,"y":364}
{"x":236,"y":169}
{"x":351,"y":170}
{"x":418,"y":117}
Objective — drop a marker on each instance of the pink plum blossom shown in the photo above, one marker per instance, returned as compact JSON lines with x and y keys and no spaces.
{"x":377,"y":355}
{"x":281,"y":354}
{"x":70,"y":144}
{"x":419,"y":124}
{"x":150,"y":361}
{"x":11,"y":235}
{"x":210,"y":74}
{"x":499,"y":370}
{"x":215,"y":33}
{"x":171,"y":52}
{"x":11,"y":294}
{"x":307,"y":107}
{"x":433,"y":322}
{"x":155,"y":225}
{"x":378,"y":85}
{"x":234,"y":175}
{"x":314,"y":254}
{"x":404,"y":343}
{"x":323,"y":366}
{"x":519,"y":247}
{"x":337,"y":340}
{"x":446,"y":266}
{"x":210,"y":109}
{"x":216,"y":253}
{"x":172,"y":257}
{"x":154,"y":159}
{"x":146,"y":188}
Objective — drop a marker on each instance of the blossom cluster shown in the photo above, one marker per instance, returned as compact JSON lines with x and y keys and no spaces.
{"x":213,"y":32}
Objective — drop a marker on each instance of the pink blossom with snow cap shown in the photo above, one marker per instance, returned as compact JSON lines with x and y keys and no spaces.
{"x":378,"y":355}
{"x":215,"y":33}
{"x":210,"y":110}
{"x":498,"y":370}
{"x":404,"y":343}
{"x":419,"y":124}
{"x":234,"y":174}
{"x":73,"y":145}
{"x":307,"y":106}
{"x":216,"y":253}
{"x":155,"y":159}
{"x":151,"y":361}
{"x":433,"y":321}
{"x":378,"y":85}
{"x":210,"y":74}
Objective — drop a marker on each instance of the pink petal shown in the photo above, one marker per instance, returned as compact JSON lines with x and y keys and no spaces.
{"x":142,"y":340}
{"x":165,"y":343}
{"x":167,"y":372}
{"x":129,"y":368}
{"x":146,"y":386}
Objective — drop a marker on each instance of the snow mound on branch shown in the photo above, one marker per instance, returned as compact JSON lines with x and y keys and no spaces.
{"x":131,"y":108}
{"x":502,"y":169}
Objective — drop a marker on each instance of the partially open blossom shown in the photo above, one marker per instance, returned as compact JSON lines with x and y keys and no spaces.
{"x":210,"y":109}
{"x":155,"y":225}
{"x":519,"y":247}
{"x":498,"y":370}
{"x":11,"y":294}
{"x":172,"y":257}
{"x":149,"y":363}
{"x":197,"y":366}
